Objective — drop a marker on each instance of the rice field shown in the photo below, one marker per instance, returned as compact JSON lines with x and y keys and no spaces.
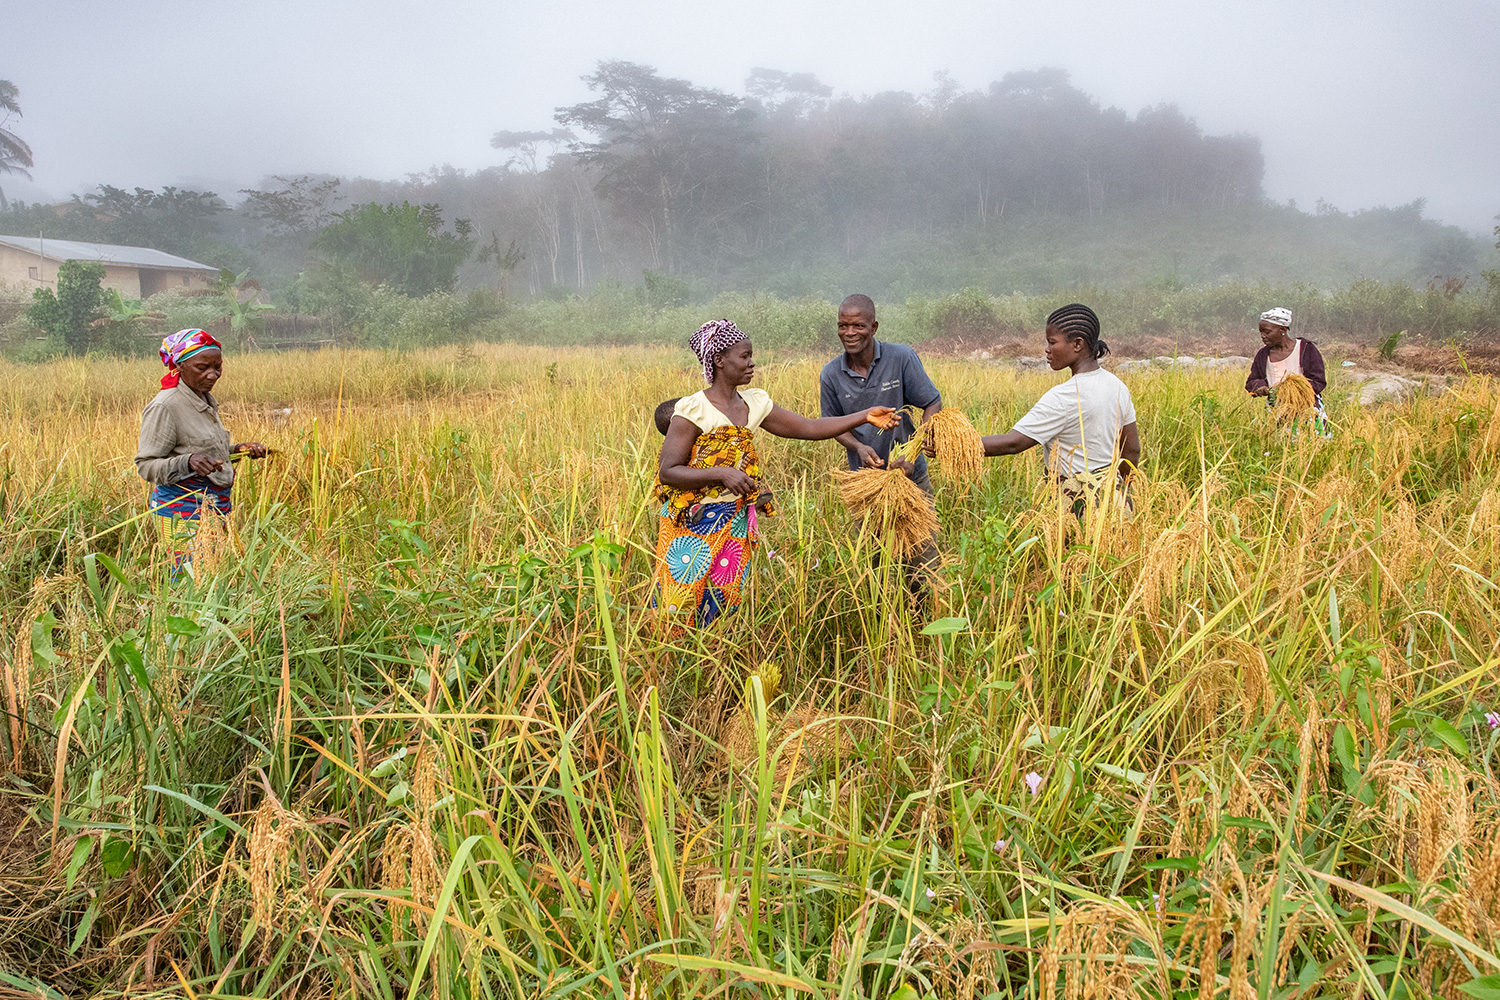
{"x":410,"y":733}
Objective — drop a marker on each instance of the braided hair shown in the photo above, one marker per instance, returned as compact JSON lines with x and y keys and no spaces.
{"x":1079,"y":321}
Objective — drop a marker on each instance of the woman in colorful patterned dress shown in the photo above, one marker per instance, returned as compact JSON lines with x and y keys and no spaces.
{"x":185,"y":450}
{"x":709,"y":479}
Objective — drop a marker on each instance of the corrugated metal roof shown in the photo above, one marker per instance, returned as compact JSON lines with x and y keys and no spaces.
{"x":105,"y":253}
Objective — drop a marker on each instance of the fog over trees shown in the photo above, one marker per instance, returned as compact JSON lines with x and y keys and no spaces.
{"x":697,"y":181}
{"x":1029,"y":183}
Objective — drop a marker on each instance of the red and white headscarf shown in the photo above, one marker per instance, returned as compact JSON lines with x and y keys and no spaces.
{"x":712,"y":340}
{"x":180,"y":346}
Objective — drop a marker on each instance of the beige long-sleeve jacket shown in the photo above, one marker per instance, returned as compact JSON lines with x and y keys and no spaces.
{"x":175,"y":425}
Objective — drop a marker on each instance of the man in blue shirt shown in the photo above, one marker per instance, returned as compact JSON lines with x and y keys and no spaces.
{"x":872,"y":373}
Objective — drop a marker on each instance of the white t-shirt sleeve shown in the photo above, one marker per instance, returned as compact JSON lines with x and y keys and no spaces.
{"x":1046,"y":420}
{"x":1127,"y":411}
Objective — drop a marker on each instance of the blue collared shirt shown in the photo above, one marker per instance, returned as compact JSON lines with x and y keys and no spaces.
{"x":896,"y":379}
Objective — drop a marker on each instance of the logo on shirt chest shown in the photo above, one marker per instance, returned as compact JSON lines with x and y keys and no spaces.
{"x":887,"y":386}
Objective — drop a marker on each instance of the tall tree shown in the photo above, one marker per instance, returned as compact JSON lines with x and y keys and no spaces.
{"x":15,"y":154}
{"x":295,"y":206}
{"x":173,"y":220}
{"x":671,"y":156}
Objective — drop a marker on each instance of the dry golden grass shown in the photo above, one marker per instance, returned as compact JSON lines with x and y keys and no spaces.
{"x":421,"y":662}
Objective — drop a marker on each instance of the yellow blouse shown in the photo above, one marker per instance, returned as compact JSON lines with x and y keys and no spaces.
{"x":707,"y":417}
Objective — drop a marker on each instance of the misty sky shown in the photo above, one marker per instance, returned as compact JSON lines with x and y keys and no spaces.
{"x":1359,"y":103}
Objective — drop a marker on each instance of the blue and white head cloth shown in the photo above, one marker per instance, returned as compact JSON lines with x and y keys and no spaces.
{"x":713,"y":339}
{"x":1280,"y":316}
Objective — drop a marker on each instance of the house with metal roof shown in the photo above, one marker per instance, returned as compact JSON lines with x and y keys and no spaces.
{"x":135,"y":272}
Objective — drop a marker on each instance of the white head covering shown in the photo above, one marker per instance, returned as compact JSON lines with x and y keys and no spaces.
{"x":1279,"y":316}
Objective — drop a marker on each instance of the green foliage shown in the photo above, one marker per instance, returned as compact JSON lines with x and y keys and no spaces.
{"x":78,"y":302}
{"x":177,"y":221}
{"x":334,"y":290}
{"x":15,"y":154}
{"x":401,"y":246}
{"x":1387,"y":347}
{"x":245,"y":315}
{"x":297,"y":208}
{"x":185,"y":311}
{"x":127,"y":328}
{"x":613,"y":313}
{"x":664,"y":291}
{"x":967,"y":313}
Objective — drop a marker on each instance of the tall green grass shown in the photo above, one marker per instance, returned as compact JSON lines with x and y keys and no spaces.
{"x":416,"y":736}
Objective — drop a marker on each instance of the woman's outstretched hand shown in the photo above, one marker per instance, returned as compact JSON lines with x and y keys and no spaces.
{"x":881,"y":416}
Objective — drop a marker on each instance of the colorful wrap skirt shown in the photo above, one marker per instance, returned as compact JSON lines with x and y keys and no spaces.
{"x":181,"y":507}
{"x":704,"y":548}
{"x":185,"y":498}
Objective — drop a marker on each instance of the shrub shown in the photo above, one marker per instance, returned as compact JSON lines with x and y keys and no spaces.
{"x":69,"y":313}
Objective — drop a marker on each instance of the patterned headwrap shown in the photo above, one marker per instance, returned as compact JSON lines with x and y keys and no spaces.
{"x":712,"y":340}
{"x":1277,"y":317}
{"x":180,"y":346}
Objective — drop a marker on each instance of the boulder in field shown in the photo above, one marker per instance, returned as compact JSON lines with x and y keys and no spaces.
{"x":1386,"y":388}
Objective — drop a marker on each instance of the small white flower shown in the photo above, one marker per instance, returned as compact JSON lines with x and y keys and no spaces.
{"x":999,"y":846}
{"x":1033,"y":781}
{"x":1493,"y":719}
{"x":931,"y":895}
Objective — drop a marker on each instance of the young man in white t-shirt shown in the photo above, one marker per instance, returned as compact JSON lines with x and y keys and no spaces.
{"x":1085,"y":423}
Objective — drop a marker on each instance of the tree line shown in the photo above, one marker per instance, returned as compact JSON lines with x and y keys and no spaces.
{"x":687,"y":188}
{"x":691,"y":180}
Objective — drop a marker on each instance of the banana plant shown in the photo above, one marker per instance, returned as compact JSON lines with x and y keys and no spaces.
{"x":244,"y":317}
{"x":126,"y":312}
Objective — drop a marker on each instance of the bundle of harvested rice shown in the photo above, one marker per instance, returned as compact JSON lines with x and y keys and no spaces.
{"x":886,"y":500}
{"x":957,"y":444}
{"x":1295,"y":398}
{"x":810,"y":736}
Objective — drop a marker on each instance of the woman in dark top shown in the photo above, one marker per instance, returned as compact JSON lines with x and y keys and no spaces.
{"x":1285,"y":355}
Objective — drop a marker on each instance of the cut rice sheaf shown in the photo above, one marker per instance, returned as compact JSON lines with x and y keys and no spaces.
{"x":957,"y":444}
{"x":886,"y":500}
{"x":1295,"y":398}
